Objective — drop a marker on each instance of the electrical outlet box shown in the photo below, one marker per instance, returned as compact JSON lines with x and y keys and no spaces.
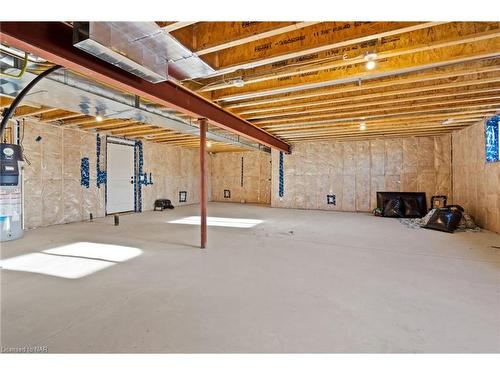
{"x":182,"y":196}
{"x":227,"y":193}
{"x":330,"y":199}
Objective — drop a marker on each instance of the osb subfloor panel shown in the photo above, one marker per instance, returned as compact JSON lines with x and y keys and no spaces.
{"x":302,"y":281}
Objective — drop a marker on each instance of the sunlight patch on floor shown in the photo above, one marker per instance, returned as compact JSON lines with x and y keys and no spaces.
{"x":219,"y":221}
{"x":71,"y":261}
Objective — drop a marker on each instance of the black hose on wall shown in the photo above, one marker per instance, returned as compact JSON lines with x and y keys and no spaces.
{"x":9,"y":112}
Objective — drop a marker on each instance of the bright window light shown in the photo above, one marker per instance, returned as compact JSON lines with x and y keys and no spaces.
{"x":53,"y":265}
{"x":219,"y":221}
{"x":71,"y":261}
{"x":112,"y":253}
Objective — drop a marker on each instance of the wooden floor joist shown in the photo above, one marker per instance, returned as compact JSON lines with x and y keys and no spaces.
{"x":457,"y":86}
{"x":307,"y":41}
{"x":384,"y":52}
{"x":443,"y":73}
{"x":487,"y":94}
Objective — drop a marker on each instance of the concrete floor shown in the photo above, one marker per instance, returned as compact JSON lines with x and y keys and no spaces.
{"x":302,"y":281}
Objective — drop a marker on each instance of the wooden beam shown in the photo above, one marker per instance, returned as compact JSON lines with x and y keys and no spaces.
{"x":58,"y":115}
{"x":306,"y":41}
{"x":172,"y":26}
{"x":106,"y":124}
{"x":419,"y":41}
{"x":386,"y":135}
{"x":418,"y":61}
{"x":450,"y":113}
{"x":169,"y":136}
{"x":384,"y":112}
{"x":210,"y":37}
{"x":141,"y":132}
{"x":411,"y":119}
{"x":5,"y":101}
{"x":204,"y":35}
{"x":426,"y":98}
{"x":82,"y":121}
{"x":25,"y":111}
{"x":53,"y":41}
{"x":354,"y":128}
{"x":458,"y":87}
{"x":401,"y":118}
{"x":469,"y":69}
{"x":391,"y":130}
{"x":181,"y":140}
{"x":177,"y":137}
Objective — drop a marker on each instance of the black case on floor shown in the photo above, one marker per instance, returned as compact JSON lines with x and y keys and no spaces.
{"x":163,"y":204}
{"x":445,"y":219}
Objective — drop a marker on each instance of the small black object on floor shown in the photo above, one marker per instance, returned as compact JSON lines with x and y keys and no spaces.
{"x":402,"y":204}
{"x":445,"y":219}
{"x":163,"y":204}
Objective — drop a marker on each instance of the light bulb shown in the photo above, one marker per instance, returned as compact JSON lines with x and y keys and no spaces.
{"x":99,"y":118}
{"x":370,"y":65}
{"x":238,"y":82}
{"x":362,"y":126}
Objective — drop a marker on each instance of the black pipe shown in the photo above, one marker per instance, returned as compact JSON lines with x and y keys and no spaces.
{"x":7,"y":114}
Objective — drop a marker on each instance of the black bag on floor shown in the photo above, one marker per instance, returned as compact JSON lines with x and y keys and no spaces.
{"x":163,"y":204}
{"x":393,"y":208}
{"x":445,"y":219}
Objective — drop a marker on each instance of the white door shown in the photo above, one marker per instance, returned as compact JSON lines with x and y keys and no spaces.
{"x":120,"y":178}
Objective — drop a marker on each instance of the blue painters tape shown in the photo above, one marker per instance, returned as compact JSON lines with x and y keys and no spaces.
{"x":281,"y":188}
{"x":138,"y":175}
{"x":85,"y":172}
{"x":492,"y":141}
{"x":101,"y":175}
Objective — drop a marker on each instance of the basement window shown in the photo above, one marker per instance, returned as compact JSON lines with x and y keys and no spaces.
{"x":182,"y":196}
{"x":492,"y":136}
{"x":219,"y":222}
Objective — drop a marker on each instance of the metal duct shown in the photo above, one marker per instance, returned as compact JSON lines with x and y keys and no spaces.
{"x":141,"y":48}
{"x":71,"y":92}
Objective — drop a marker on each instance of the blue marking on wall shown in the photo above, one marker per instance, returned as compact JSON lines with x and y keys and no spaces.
{"x":85,"y":172}
{"x":492,"y":142}
{"x":138,"y":176}
{"x":281,"y":176}
{"x":101,"y":175}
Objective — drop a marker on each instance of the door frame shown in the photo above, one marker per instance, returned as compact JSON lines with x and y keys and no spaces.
{"x":124,"y":142}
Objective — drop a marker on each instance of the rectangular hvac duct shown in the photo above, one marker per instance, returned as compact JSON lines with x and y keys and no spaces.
{"x":140,"y":48}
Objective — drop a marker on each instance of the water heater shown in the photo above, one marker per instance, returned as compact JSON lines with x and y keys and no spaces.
{"x":11,"y":220}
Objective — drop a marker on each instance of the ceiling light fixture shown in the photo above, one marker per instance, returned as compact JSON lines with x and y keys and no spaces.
{"x":99,"y":118}
{"x":448,"y":121}
{"x":362,"y":126}
{"x":370,"y":65}
{"x":370,"y":59}
{"x":209,"y":144}
{"x":238,"y":82}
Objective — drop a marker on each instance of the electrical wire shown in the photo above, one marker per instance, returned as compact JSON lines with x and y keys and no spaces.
{"x":26,"y":159}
